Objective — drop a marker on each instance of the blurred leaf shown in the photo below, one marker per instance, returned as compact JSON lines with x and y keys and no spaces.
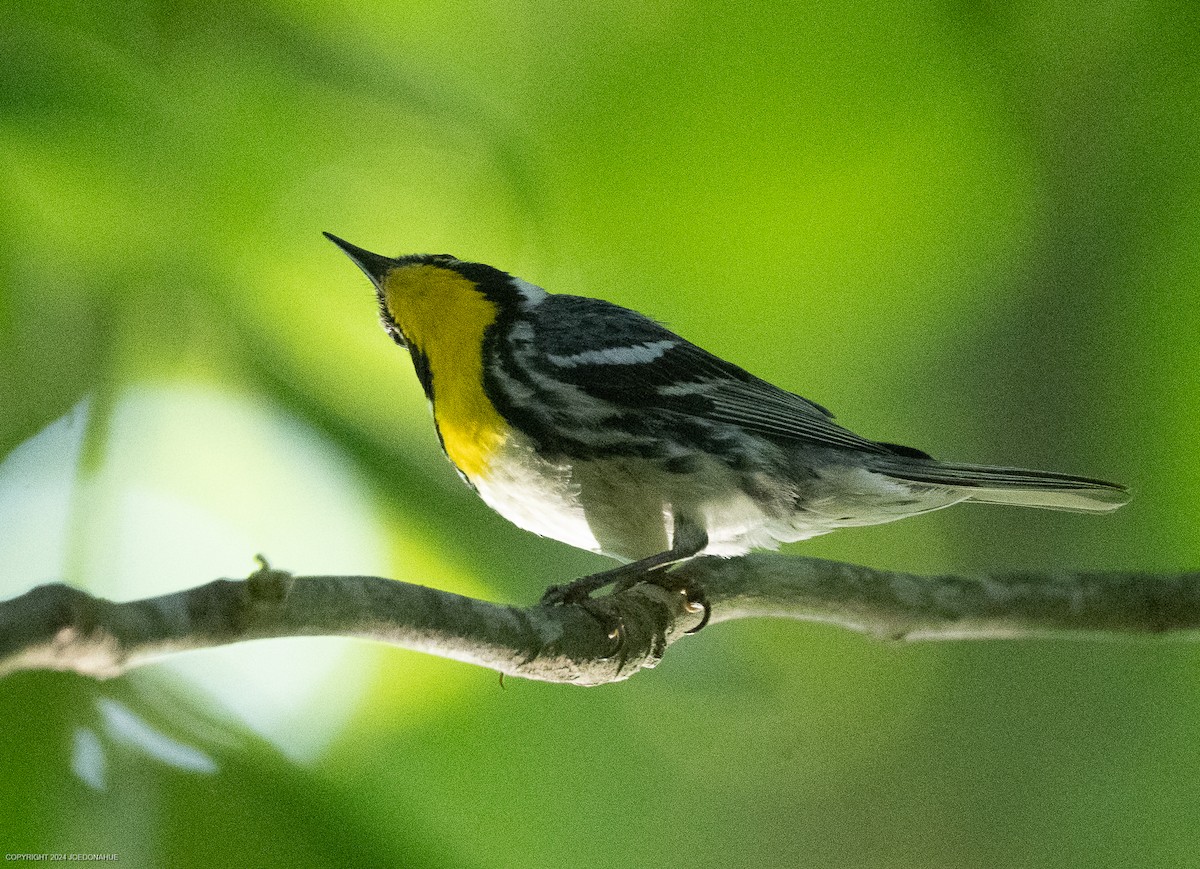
{"x":135,"y":769}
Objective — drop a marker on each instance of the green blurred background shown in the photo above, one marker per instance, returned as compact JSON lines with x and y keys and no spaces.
{"x":972,"y":228}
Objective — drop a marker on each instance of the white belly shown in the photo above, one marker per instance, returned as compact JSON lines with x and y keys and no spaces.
{"x":626,"y":507}
{"x":536,"y":495}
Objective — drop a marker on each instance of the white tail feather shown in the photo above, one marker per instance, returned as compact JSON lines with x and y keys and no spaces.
{"x":1075,"y":500}
{"x":1016,"y":486}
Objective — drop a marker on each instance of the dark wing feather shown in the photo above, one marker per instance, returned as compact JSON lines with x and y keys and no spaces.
{"x":585,"y":338}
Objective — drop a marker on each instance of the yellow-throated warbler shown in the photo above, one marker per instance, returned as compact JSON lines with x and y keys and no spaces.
{"x":589,"y":423}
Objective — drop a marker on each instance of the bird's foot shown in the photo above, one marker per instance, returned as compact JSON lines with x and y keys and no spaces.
{"x":622,"y":578}
{"x":695,"y":598}
{"x":580,"y":592}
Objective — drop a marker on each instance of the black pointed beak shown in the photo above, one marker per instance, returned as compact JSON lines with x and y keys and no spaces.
{"x":374,"y":266}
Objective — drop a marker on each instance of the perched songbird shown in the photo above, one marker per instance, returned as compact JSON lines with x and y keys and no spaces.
{"x":589,"y":423}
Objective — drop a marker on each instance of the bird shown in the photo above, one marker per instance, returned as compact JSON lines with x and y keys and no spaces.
{"x":592,"y":424}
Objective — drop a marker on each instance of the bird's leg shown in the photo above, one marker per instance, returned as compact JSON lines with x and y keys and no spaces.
{"x":691,"y":538}
{"x":687,"y":541}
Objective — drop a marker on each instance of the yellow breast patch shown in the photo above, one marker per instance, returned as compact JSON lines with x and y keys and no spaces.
{"x":444,"y":316}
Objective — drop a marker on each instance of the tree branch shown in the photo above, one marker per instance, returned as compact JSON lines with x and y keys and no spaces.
{"x":60,"y":628}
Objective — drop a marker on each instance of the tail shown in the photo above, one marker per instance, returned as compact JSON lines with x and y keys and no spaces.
{"x":1015,"y":486}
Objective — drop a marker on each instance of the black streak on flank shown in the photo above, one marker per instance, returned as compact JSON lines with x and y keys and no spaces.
{"x":424,"y":374}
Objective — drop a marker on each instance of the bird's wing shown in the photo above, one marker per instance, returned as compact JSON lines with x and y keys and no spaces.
{"x":624,"y":358}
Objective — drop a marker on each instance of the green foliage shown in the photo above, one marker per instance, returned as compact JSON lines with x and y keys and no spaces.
{"x":968,"y":228}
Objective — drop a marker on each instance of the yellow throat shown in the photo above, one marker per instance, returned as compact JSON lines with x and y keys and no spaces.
{"x":443,"y":316}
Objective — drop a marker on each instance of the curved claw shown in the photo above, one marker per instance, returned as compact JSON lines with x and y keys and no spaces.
{"x":579,"y":594}
{"x":609,"y":623}
{"x":695,"y":601}
{"x":695,"y":605}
